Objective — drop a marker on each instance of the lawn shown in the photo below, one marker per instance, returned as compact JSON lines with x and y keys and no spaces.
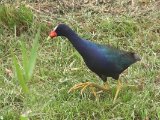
{"x":36,"y":74}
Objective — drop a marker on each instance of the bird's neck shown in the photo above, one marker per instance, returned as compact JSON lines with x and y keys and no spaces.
{"x":76,"y":41}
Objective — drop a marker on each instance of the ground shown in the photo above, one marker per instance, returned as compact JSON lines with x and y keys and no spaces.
{"x":128,"y":25}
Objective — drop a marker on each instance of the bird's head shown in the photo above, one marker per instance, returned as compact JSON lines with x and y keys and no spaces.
{"x":59,"y":30}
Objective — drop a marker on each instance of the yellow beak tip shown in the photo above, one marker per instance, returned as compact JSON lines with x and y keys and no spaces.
{"x":48,"y":38}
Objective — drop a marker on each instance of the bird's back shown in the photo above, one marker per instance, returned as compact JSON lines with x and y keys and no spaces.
{"x":107,"y":61}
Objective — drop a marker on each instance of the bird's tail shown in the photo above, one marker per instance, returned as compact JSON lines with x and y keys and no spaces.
{"x":136,"y":57}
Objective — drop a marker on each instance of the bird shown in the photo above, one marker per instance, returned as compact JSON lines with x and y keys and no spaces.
{"x":104,"y":60}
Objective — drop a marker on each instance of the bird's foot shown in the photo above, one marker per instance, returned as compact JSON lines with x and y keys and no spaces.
{"x":120,"y":86}
{"x":83,"y":86}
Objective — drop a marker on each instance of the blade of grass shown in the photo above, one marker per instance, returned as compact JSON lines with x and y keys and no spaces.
{"x":19,"y":74}
{"x":24,"y":118}
{"x":24,"y":60}
{"x":33,"y":55}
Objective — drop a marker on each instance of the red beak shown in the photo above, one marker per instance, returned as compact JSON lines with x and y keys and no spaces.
{"x":53,"y":34}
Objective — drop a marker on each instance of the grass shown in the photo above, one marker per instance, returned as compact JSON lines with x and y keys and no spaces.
{"x":59,"y":66}
{"x":19,"y":19}
{"x":24,"y":72}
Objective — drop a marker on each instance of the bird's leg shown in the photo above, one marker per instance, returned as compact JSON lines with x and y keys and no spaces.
{"x":119,"y":87}
{"x":93,"y":91}
{"x":83,"y":86}
{"x":106,"y":85}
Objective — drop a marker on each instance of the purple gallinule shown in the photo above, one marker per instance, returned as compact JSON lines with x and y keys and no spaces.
{"x":103,"y":60}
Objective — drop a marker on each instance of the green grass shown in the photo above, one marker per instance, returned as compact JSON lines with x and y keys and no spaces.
{"x":12,"y":18}
{"x":24,"y":71}
{"x":59,"y":67}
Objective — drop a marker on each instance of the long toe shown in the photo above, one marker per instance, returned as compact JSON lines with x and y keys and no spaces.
{"x":78,"y":86}
{"x":91,"y":85}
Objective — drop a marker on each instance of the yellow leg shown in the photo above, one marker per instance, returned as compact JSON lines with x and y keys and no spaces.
{"x":106,"y":85}
{"x":93,"y":91}
{"x":119,"y":87}
{"x":83,"y":86}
